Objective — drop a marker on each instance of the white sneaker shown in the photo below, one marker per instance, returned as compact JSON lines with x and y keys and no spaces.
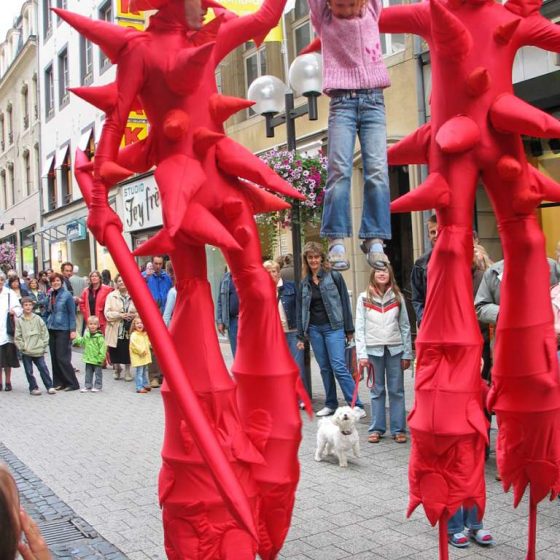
{"x":361,"y":413}
{"x":52,"y":391}
{"x":326,"y":411}
{"x":85,"y":390}
{"x":94,"y":390}
{"x":35,"y":392}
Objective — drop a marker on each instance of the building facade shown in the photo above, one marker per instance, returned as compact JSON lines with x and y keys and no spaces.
{"x":20,"y":211}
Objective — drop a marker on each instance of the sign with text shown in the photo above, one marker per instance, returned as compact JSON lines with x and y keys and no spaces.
{"x":142,"y":208}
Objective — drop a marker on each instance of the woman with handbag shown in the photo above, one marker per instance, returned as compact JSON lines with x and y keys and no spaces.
{"x":383,"y":339}
{"x":10,"y":308}
{"x":326,"y":318}
{"x":119,"y":312}
{"x":61,"y":322}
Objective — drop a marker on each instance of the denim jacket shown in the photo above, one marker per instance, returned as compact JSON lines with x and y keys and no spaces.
{"x":287,"y":294}
{"x":335,"y":299}
{"x":222,"y":309}
{"x":62,"y":315}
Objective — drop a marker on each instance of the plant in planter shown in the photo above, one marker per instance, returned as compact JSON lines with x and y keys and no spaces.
{"x":7,"y":256}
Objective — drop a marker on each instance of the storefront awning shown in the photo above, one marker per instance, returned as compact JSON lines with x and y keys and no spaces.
{"x":62,"y":154}
{"x":84,"y":139}
{"x":53,"y":231}
{"x":47,"y":165}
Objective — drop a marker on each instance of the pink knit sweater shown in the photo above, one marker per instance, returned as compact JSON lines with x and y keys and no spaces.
{"x":351,"y":48}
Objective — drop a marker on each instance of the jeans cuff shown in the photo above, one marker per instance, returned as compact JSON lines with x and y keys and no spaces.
{"x":378,"y":235}
{"x":335,"y":234}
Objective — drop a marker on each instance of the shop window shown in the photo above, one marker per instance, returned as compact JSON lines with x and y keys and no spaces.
{"x":52,"y":194}
{"x":63,"y":78}
{"x":26,"y":172}
{"x":391,"y":43}
{"x":25,"y":106}
{"x":49,"y":92}
{"x":66,"y":178}
{"x":86,"y":61}
{"x":255,"y":65}
{"x":47,"y":18}
{"x":105,"y":14}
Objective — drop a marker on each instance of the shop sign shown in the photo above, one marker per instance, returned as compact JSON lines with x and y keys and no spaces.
{"x":76,"y":230}
{"x":142,"y":208}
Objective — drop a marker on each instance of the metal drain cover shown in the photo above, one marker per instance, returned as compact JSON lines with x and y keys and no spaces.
{"x":65,"y":530}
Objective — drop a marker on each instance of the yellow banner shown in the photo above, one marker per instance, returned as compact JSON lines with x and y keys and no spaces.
{"x":244,"y":7}
{"x":123,"y":11}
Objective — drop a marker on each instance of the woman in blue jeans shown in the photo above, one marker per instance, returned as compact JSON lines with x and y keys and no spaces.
{"x":326,"y":318}
{"x":383,"y":338}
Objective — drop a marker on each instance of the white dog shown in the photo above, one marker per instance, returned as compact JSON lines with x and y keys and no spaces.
{"x":337,"y":434}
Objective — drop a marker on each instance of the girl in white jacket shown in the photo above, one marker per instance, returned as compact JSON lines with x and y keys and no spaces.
{"x":383,"y":338}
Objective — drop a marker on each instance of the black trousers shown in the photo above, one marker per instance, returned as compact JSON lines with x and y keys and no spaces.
{"x":61,"y":360}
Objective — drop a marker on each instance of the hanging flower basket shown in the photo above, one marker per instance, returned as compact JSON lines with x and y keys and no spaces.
{"x":308,"y":175}
{"x":7,"y":256}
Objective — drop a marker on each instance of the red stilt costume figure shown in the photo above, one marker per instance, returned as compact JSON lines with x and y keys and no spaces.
{"x":475,"y":133}
{"x":230,"y":465}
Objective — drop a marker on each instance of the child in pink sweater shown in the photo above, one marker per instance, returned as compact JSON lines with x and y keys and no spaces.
{"x":354,"y":76}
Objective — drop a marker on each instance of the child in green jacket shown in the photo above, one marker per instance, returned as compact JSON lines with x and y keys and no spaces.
{"x":95,"y":350}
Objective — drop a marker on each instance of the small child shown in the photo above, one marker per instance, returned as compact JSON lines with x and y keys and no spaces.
{"x":95,"y":350}
{"x":354,"y":76}
{"x":140,"y":354}
{"x":32,"y":339}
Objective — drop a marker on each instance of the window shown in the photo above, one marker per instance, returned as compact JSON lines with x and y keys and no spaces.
{"x":106,"y":14}
{"x":51,"y":186}
{"x":47,"y":18}
{"x":391,"y":42}
{"x":35,"y":95}
{"x":37,"y":164}
{"x":86,"y":61}
{"x":2,"y":133}
{"x":66,"y":178}
{"x":301,"y":9}
{"x":49,"y":92}
{"x":11,"y":183}
{"x":3,"y":191}
{"x":303,"y":34}
{"x":255,"y":65}
{"x":10,"y":118}
{"x":26,"y":173}
{"x":63,"y":78}
{"x":63,"y":5}
{"x":25,"y":106}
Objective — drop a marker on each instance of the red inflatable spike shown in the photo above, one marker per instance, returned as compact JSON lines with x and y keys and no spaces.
{"x":222,"y":107}
{"x":478,"y":82}
{"x":83,"y":175}
{"x":189,"y":67}
{"x":243,"y":235}
{"x":314,"y":46}
{"x":160,"y":243}
{"x":450,"y":36}
{"x":86,"y":167}
{"x":102,"y":97}
{"x":413,"y":148}
{"x":508,"y":168}
{"x":435,"y":493}
{"x":547,"y":187}
{"x":233,"y":207}
{"x":511,"y":114}
{"x":457,"y":135}
{"x":455,"y":4}
{"x":505,"y":31}
{"x":135,"y":156}
{"x":204,"y":139}
{"x":261,"y":200}
{"x":434,"y":192}
{"x":240,"y":162}
{"x":112,"y":173}
{"x":209,"y":31}
{"x":110,"y":38}
{"x":523,"y":8}
{"x":202,"y":227}
{"x":176,"y":124}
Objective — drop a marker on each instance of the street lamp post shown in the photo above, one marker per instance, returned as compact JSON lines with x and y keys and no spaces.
{"x":275,"y":101}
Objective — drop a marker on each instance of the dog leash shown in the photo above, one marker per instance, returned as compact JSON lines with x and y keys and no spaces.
{"x":370,"y":380}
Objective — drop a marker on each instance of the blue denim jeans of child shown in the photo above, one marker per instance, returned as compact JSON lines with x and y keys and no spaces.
{"x":297,"y":354}
{"x":92,"y":369}
{"x":464,"y":517}
{"x":39,"y":361}
{"x":328,"y":346}
{"x":141,"y":377}
{"x":388,"y":371}
{"x":361,"y":113}
{"x":232,"y":334}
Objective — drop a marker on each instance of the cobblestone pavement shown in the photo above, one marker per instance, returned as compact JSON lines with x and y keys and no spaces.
{"x":100,"y":454}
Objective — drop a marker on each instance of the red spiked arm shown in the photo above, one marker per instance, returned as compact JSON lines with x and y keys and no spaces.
{"x":540,"y":32}
{"x":414,"y":18}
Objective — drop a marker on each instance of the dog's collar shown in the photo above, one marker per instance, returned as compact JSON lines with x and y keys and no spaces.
{"x":346,"y":433}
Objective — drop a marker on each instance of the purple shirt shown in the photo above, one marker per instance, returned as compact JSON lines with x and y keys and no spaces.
{"x":351,"y":49}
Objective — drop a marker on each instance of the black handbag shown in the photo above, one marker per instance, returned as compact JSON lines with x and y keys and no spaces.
{"x":10,"y":322}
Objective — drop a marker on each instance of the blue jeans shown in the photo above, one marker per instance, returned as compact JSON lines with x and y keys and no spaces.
{"x":388,"y":369}
{"x":141,"y":377}
{"x":328,"y":346}
{"x":462,"y":518}
{"x":91,"y":370}
{"x":39,"y":361}
{"x":297,"y":354}
{"x":232,"y":334}
{"x":362,"y":114}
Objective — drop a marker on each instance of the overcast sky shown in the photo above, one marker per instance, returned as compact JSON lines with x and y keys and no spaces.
{"x":10,"y":10}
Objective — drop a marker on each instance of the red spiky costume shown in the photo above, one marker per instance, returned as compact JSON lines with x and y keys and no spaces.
{"x":474,"y":134}
{"x":230,"y":465}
